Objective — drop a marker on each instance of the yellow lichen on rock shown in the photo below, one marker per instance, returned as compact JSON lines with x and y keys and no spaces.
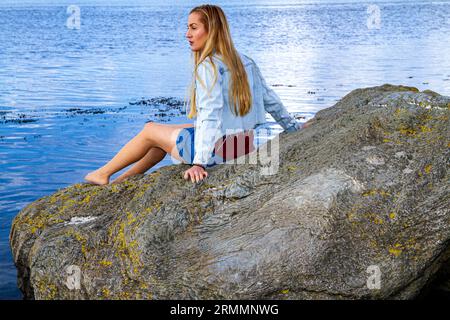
{"x":80,"y":238}
{"x":407,"y":131}
{"x":39,"y":221}
{"x":105,"y":292}
{"x":105,"y":263}
{"x":425,"y":129}
{"x":373,"y":192}
{"x":396,"y":250}
{"x":378,"y":220}
{"x":46,"y":290}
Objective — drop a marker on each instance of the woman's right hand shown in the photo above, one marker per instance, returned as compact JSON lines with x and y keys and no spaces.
{"x":195,"y":173}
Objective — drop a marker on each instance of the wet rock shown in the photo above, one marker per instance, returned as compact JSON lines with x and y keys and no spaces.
{"x":87,"y":111}
{"x":16,"y":118}
{"x":165,"y":101}
{"x":332,"y":222}
{"x":160,"y":107}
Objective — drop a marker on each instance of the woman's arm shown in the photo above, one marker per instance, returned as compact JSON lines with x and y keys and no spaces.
{"x":274,"y":106}
{"x":210,"y":105}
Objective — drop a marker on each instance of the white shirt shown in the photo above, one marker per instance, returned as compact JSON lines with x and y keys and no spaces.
{"x":214,"y":116}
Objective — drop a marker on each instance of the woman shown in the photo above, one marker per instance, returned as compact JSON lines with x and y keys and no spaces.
{"x":228,"y":93}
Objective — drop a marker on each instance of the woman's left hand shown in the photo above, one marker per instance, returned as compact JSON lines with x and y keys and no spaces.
{"x":196,"y":174}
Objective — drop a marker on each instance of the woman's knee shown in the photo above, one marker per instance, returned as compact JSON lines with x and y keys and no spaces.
{"x":149,"y":124}
{"x":148,"y":129}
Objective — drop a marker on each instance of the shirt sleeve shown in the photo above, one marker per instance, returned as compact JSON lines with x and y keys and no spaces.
{"x":274,"y":106}
{"x":210,"y":106}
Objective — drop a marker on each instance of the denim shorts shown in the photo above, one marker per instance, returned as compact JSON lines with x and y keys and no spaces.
{"x":185,"y":145}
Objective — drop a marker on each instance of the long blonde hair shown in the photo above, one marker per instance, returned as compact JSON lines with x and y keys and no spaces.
{"x":219,"y":41}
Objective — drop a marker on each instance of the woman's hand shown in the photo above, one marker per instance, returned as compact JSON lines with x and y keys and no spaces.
{"x":307,"y":123}
{"x":196,"y":173}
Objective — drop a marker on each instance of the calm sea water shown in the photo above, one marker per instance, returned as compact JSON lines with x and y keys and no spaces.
{"x":67,"y":96}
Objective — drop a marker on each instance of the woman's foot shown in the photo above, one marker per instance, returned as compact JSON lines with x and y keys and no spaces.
{"x":96,"y":177}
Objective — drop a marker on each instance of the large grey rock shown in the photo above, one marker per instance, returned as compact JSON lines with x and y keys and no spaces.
{"x":363,"y":189}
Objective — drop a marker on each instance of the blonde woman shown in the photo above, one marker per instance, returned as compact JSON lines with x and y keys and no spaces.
{"x":228,"y":94}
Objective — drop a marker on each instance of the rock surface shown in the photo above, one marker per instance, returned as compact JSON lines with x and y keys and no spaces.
{"x":360,"y":195}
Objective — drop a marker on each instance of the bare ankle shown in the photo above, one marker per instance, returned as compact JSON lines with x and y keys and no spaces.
{"x":103,"y":173}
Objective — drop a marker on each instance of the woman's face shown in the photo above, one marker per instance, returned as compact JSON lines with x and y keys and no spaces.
{"x":196,"y":33}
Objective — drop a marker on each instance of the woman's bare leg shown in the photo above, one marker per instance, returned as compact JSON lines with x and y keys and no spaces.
{"x":134,"y":150}
{"x":153,"y":135}
{"x":153,"y":156}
